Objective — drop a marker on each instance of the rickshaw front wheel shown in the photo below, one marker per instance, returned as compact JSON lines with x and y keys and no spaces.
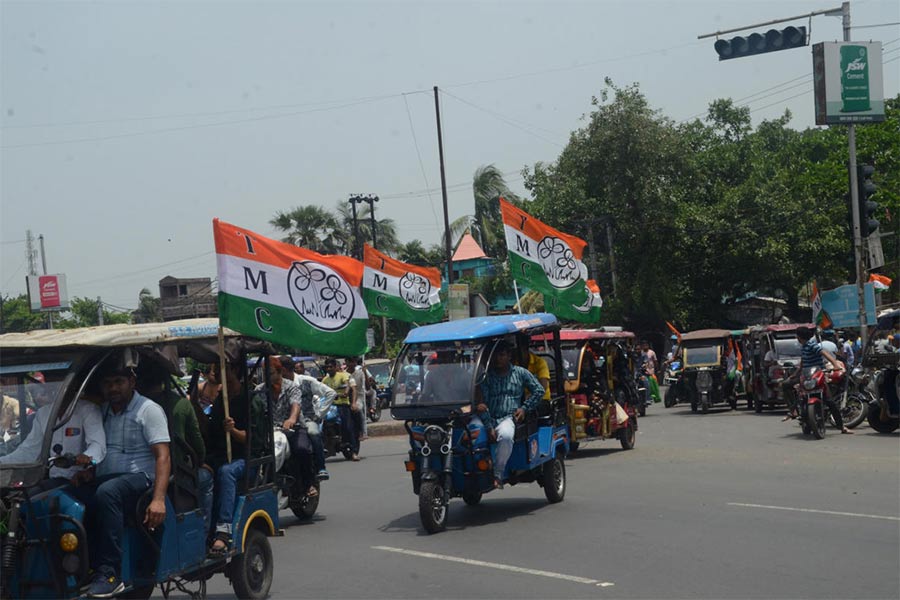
{"x":251,"y":571}
{"x":432,"y":507}
{"x":627,"y":436}
{"x":471,"y":498}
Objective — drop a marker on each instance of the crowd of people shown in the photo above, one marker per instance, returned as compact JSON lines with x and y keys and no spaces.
{"x":133,"y":428}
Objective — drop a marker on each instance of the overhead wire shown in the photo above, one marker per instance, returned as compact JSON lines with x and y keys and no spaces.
{"x":130,"y":273}
{"x":412,"y":130}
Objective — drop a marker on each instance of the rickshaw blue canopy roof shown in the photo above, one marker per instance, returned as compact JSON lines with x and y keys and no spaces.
{"x":480,"y":327}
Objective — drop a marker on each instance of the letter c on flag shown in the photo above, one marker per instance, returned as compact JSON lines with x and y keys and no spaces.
{"x":378,"y":300}
{"x":259,"y":312}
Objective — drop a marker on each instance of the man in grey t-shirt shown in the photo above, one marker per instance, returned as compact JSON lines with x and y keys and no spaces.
{"x":137,"y":457}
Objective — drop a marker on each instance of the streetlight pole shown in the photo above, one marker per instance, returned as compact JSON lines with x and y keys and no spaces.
{"x":353,"y":201}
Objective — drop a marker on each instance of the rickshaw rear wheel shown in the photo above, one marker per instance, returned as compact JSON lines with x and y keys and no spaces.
{"x":432,"y":507}
{"x":251,"y":571}
{"x":471,"y":498}
{"x":627,"y":436}
{"x":880,"y":425}
{"x":554,"y":477}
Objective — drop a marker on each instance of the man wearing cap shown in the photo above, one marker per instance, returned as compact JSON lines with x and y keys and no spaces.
{"x":137,"y":459}
{"x":501,"y":405}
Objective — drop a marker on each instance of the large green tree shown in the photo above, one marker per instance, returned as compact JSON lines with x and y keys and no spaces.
{"x":16,"y":315}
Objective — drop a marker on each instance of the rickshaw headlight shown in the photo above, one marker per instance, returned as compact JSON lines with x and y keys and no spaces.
{"x":68,"y":542}
{"x":435,"y":437}
{"x":704,"y":381}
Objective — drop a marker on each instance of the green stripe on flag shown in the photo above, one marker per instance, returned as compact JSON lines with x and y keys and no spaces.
{"x":386,"y":305}
{"x":532,"y":275}
{"x":285,"y":327}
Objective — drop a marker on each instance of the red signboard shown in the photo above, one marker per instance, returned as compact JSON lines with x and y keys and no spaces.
{"x":49,"y":290}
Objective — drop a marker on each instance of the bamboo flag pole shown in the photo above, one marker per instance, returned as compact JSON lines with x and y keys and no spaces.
{"x":222,"y":380}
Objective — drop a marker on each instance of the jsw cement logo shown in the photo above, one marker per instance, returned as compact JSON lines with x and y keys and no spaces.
{"x":856,"y":65}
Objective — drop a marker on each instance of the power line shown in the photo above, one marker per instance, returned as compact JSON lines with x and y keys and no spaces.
{"x":421,"y":164}
{"x":122,"y":275}
{"x":16,"y":272}
{"x":204,"y":114}
{"x":506,"y":120}
{"x":13,"y":242}
{"x":189,"y":127}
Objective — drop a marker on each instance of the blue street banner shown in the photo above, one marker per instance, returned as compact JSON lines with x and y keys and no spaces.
{"x":842,"y":305}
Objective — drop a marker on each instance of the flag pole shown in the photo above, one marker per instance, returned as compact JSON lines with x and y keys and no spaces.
{"x":518,"y":300}
{"x":222,"y":380}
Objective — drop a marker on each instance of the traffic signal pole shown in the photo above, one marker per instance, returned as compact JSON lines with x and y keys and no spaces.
{"x":858,"y":253}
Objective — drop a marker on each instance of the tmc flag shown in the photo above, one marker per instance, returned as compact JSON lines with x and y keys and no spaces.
{"x":587,"y":312}
{"x":542,"y":258}
{"x":288,"y":295}
{"x":400,"y":291}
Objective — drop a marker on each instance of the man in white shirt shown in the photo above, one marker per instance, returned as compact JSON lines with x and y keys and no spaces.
{"x":357,"y":394}
{"x":81,"y":436}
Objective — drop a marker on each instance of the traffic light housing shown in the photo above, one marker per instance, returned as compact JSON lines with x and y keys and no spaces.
{"x":757,"y":43}
{"x":867,"y":207}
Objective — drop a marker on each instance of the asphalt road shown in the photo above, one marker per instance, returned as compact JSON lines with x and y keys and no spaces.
{"x":724,"y":505}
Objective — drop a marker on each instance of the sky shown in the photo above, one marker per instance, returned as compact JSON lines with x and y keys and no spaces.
{"x":126,"y":127}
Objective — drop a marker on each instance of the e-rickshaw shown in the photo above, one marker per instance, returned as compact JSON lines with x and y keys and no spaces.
{"x":45,"y":550}
{"x":602,"y":397}
{"x":703,"y":381}
{"x":436,"y":378}
{"x":768,"y":378}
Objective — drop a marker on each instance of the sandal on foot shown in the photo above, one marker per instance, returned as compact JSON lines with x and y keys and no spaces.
{"x":219,"y":551}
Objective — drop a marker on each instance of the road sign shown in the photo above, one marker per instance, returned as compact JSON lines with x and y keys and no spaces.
{"x":842,"y":305}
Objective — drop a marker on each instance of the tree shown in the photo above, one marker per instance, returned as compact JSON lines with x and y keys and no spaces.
{"x":486,"y":224}
{"x":16,"y":315}
{"x":311,"y":227}
{"x":148,"y":310}
{"x":415,"y":253}
{"x":385,"y":228}
{"x":84,"y":313}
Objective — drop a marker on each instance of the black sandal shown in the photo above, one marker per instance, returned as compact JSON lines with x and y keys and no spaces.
{"x":215,"y":552}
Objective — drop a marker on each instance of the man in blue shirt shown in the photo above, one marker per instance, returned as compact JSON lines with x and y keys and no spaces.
{"x":137,"y":458}
{"x":501,"y":406}
{"x":812,"y":354}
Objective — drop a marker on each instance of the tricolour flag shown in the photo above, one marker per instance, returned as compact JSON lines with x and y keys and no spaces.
{"x":544,"y":259}
{"x":289,"y":295}
{"x":400,"y":291}
{"x":587,"y":312}
{"x":820,"y":317}
{"x":880,"y":282}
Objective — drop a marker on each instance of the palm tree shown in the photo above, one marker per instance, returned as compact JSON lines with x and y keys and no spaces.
{"x":486,"y":225}
{"x":385,"y":229}
{"x":311,"y":227}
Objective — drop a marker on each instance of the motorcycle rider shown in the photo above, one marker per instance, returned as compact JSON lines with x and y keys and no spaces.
{"x":309,"y":387}
{"x":812,"y":354}
{"x":288,"y":416}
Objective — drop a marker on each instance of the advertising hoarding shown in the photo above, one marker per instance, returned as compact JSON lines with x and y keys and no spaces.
{"x":47,"y":293}
{"x":849,"y":83}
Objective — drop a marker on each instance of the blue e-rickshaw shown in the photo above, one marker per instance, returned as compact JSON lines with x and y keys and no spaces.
{"x":45,"y":551}
{"x":435,"y":380}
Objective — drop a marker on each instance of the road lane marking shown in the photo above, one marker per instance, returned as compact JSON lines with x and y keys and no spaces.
{"x":498,"y":566}
{"x":813,"y":510}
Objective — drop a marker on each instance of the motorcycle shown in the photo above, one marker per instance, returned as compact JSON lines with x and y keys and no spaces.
{"x":292,"y":493}
{"x":812,"y":412}
{"x":331,"y":435}
{"x":854,"y":398}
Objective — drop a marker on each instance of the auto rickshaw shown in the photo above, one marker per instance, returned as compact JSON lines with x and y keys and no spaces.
{"x":45,"y":550}
{"x":704,"y":382}
{"x":436,"y":378}
{"x":884,"y":364}
{"x":767,"y":378}
{"x":598,"y":369}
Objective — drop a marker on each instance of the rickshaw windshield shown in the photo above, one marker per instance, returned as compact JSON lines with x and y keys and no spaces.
{"x":381,"y":372}
{"x":435,"y":375}
{"x":27,"y":389}
{"x":702,"y":355}
{"x":787,"y":348}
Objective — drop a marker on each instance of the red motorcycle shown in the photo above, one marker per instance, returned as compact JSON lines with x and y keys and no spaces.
{"x":812,"y":412}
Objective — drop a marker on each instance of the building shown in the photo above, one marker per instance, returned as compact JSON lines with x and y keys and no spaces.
{"x":187,"y":298}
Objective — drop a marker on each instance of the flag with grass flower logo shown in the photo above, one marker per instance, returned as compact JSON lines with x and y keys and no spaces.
{"x":401,"y":291}
{"x":288,"y":295}
{"x":543,"y":258}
